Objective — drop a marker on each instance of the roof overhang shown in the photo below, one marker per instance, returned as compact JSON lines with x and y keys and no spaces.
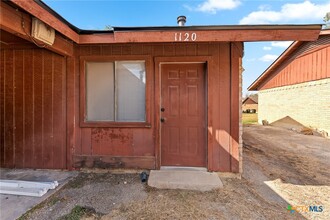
{"x":19,"y":23}
{"x":225,"y":33}
{"x":325,"y":32}
{"x":264,"y":76}
{"x":236,"y":33}
{"x":279,"y":61}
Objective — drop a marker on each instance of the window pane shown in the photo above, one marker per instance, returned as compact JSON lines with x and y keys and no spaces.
{"x":100,"y":91}
{"x":130,"y":88}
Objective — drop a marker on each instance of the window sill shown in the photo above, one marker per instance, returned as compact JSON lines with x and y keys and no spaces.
{"x":97,"y":124}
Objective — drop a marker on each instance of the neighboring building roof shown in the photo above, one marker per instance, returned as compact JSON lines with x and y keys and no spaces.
{"x":279,"y":61}
{"x":254,"y":98}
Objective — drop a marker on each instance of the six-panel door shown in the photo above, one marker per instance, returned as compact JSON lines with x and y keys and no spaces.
{"x":183,"y":115}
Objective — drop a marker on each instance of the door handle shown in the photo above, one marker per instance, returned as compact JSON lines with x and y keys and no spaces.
{"x":162,"y":109}
{"x":162,"y":120}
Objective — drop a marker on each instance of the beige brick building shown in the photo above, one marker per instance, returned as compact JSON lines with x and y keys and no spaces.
{"x":297,"y":84}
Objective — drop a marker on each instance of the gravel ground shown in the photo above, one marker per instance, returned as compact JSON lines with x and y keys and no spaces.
{"x":99,"y":191}
{"x":281,"y":167}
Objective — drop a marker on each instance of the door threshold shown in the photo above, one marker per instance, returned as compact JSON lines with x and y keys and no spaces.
{"x":204,"y":169}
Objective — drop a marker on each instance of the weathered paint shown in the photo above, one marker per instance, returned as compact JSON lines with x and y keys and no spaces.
{"x":183,"y":129}
{"x":29,"y":138}
{"x":141,"y":142}
{"x":33,"y":109}
{"x":11,"y":20}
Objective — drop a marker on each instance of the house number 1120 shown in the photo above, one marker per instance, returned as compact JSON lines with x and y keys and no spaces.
{"x":185,"y":36}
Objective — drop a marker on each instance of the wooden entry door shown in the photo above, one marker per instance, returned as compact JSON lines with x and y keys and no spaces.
{"x":183,"y":117}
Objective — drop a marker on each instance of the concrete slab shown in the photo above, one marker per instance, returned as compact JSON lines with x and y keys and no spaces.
{"x":12,"y":206}
{"x":184,"y":179}
{"x":183,"y":168}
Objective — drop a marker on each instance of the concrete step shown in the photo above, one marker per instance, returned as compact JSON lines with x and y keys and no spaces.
{"x":184,"y":179}
{"x":183,"y":168}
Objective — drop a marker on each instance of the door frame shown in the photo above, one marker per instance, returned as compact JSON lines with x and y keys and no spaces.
{"x":177,"y":60}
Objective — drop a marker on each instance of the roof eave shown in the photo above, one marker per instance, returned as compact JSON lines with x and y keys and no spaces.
{"x":325,"y":32}
{"x":224,"y":33}
{"x":263,"y":77}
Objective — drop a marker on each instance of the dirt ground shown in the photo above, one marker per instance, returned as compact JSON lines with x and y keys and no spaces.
{"x":281,"y":167}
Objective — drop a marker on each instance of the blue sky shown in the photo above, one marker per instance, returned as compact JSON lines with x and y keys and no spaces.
{"x":88,"y":14}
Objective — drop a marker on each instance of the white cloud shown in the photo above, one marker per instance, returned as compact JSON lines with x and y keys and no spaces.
{"x":212,"y":6}
{"x":305,"y":11}
{"x":282,"y":44}
{"x":268,"y":58}
{"x":251,"y":59}
{"x":266,"y":48}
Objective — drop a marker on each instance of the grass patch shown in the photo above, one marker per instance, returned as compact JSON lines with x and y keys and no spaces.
{"x":78,"y":212}
{"x":249,"y":118}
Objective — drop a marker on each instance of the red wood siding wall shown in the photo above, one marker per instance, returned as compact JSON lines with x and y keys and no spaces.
{"x":135,"y":147}
{"x":32,"y":109}
{"x":310,"y":62}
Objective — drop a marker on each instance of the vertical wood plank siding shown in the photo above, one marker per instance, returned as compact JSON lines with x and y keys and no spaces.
{"x":310,"y":62}
{"x":39,"y":97}
{"x":122,"y":147}
{"x":33,"y":109}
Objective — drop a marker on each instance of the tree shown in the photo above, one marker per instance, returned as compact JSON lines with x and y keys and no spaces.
{"x":108,"y":27}
{"x":326,"y":19}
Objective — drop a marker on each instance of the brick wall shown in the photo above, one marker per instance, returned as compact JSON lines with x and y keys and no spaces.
{"x":240,"y":118}
{"x":307,"y":103}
